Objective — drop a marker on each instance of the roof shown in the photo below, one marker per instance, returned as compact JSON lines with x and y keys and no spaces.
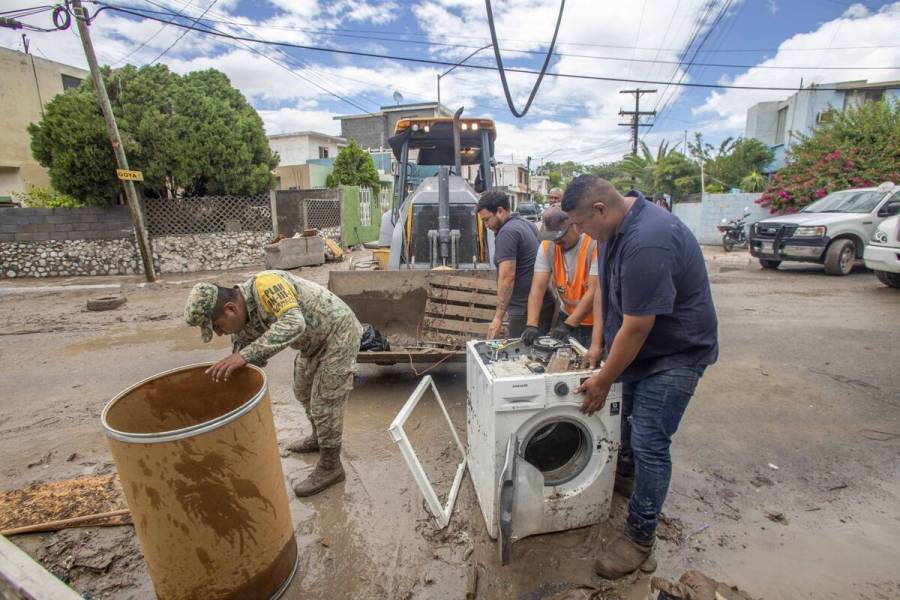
{"x":314,"y":134}
{"x":442,"y":110}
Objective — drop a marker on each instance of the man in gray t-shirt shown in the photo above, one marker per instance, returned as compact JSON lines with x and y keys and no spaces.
{"x":515,"y":248}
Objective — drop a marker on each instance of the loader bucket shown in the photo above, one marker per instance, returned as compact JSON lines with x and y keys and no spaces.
{"x":393,"y":301}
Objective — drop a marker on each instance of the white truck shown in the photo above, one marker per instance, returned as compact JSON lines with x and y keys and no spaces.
{"x":882,"y":255}
{"x":833,"y":230}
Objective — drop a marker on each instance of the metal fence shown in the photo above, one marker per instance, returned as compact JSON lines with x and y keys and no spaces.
{"x":209,"y":214}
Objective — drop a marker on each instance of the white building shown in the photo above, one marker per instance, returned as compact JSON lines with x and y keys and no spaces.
{"x":297,"y":148}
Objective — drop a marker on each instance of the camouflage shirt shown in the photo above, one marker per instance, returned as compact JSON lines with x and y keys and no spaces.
{"x":285,"y":310}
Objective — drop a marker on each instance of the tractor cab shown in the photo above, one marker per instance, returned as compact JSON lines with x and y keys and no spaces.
{"x":436,"y":224}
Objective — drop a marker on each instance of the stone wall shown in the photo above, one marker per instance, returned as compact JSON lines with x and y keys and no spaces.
{"x":171,"y":254}
{"x":210,"y":251}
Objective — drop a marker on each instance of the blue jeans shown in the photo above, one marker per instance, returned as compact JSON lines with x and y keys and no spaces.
{"x":652,"y":409}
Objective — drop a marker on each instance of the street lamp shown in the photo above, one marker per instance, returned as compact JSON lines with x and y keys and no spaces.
{"x":447,"y":72}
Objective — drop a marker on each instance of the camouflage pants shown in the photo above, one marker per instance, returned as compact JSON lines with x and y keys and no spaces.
{"x":322,"y":382}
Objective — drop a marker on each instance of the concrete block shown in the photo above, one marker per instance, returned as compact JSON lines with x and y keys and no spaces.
{"x":63,"y":227}
{"x":9,"y":228}
{"x":7,"y":237}
{"x":40,"y":237}
{"x":23,"y":237}
{"x":291,"y":253}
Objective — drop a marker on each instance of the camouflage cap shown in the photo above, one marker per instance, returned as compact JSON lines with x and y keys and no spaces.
{"x":199,"y":308}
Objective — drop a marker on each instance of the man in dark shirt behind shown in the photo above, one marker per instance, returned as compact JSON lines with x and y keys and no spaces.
{"x":660,"y":331}
{"x":515,"y":247}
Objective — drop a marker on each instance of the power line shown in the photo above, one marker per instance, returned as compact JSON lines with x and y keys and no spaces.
{"x":151,"y":38}
{"x":184,"y":33}
{"x":331,"y":32}
{"x":445,"y":63}
{"x":537,"y":84}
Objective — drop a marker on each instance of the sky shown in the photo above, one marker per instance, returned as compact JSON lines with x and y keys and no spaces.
{"x":760,"y":43}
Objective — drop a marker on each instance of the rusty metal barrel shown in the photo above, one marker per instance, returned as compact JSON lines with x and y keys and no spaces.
{"x":201,"y":471}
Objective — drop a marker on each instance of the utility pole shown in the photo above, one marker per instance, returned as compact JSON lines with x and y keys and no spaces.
{"x":528,"y":178}
{"x":134,"y":204}
{"x":636,"y":115}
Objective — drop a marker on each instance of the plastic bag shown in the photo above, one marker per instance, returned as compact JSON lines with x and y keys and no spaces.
{"x":372,"y":340}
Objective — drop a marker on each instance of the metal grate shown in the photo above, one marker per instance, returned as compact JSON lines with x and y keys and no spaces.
{"x":208,"y":214}
{"x":365,"y":206}
{"x":325,"y":215}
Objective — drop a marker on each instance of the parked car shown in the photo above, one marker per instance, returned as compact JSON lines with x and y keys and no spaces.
{"x":882,"y":255}
{"x":530,"y":211}
{"x":833,"y":230}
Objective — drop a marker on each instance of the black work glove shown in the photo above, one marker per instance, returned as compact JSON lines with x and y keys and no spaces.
{"x":563,"y":331}
{"x":529,"y":335}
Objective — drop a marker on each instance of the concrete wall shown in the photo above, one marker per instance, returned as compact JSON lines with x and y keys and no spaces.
{"x":43,"y":224}
{"x":702,"y":218}
{"x":21,"y":98}
{"x":353,"y":231}
{"x":369,"y":132}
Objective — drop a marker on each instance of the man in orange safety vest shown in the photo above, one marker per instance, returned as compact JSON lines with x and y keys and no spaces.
{"x":567,"y":260}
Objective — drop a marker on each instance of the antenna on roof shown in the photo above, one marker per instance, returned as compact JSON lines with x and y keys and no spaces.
{"x":398,"y":97}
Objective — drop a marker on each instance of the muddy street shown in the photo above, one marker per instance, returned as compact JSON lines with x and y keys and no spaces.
{"x":785,"y":479}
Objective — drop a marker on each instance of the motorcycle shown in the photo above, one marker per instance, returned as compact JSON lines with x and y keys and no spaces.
{"x":734,"y":232}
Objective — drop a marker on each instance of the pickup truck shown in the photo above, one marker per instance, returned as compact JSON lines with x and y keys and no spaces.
{"x":882,"y":255}
{"x":833,"y":230}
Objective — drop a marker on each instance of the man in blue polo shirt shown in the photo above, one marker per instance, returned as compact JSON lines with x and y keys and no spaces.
{"x":660,"y":333}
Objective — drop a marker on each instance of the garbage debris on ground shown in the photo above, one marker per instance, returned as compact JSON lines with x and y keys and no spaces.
{"x":777,"y":517}
{"x":372,"y":340}
{"x":694,"y":585}
{"x":333,"y":251}
{"x":85,"y":501}
{"x":105,"y":303}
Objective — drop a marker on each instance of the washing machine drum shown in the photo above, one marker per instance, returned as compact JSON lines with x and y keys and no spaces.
{"x":560,"y":450}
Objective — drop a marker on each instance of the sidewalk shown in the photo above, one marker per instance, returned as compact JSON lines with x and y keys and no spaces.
{"x":717,"y":259}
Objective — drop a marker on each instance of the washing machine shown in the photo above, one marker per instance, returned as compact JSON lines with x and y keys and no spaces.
{"x":537,"y":462}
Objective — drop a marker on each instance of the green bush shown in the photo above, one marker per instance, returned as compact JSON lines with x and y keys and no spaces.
{"x":44,"y":197}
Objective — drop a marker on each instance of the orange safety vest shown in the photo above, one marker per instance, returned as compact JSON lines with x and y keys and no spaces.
{"x":571,"y":292}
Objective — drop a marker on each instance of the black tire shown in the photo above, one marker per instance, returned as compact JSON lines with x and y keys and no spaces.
{"x":839,"y":257}
{"x":888,"y":279}
{"x":105,"y":303}
{"x":765,"y":263}
{"x":727,"y":243}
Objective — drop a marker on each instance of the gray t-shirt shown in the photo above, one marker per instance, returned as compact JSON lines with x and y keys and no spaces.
{"x":518,"y":240}
{"x":544,"y":261}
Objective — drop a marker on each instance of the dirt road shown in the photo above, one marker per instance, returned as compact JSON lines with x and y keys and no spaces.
{"x":807,"y":382}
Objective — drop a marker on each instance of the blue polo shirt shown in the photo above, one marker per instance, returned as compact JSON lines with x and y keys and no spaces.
{"x":654,"y":266}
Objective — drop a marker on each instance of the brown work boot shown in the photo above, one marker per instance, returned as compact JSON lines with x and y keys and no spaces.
{"x":623,"y":556}
{"x":304,"y":445}
{"x":328,"y":472}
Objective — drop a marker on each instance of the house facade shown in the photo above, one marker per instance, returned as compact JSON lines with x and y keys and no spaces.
{"x":781,"y":124}
{"x":28,"y":84}
{"x":372,"y":130}
{"x":304,"y":158}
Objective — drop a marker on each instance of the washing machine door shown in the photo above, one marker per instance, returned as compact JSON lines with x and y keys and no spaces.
{"x":520,"y":500}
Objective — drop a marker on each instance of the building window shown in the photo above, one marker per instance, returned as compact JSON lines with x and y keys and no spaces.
{"x":779,"y":127}
{"x":323,"y":152}
{"x":70,"y":82}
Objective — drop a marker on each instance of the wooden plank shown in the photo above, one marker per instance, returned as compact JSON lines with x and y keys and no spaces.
{"x":22,"y":577}
{"x":455,"y":326}
{"x":454,"y":310}
{"x":466,"y":283}
{"x":463,"y":297}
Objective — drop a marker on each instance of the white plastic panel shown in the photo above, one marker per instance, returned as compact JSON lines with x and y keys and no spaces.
{"x":441,"y":514}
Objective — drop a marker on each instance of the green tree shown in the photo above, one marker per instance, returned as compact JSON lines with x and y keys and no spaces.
{"x":732,"y":161}
{"x":858,"y":148}
{"x":189,"y":135}
{"x":354,"y":166}
{"x":667,"y":171}
{"x":754,"y":182}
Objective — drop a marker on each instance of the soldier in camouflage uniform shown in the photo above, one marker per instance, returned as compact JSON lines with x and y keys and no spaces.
{"x":274,"y":310}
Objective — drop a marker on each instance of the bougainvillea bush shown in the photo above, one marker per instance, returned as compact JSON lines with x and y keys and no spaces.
{"x":859,"y":148}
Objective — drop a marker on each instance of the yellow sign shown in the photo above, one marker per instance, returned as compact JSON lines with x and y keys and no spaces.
{"x":126,"y":175}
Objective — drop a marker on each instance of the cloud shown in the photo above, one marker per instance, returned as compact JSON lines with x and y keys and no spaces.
{"x":287,"y":120}
{"x":871,"y":37}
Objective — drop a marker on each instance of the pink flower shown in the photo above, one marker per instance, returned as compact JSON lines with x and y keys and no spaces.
{"x":821,"y":193}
